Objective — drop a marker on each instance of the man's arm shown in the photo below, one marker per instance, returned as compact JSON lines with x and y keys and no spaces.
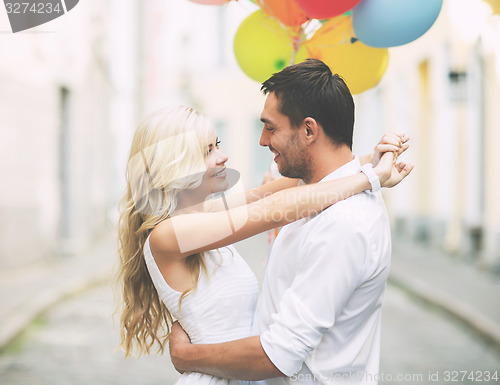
{"x":242,"y":359}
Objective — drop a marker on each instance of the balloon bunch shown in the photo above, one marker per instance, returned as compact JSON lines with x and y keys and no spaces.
{"x":351,"y":36}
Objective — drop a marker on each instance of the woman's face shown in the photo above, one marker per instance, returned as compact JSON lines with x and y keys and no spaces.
{"x":215,"y":160}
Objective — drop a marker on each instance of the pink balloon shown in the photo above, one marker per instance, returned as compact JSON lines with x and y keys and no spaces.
{"x":210,"y":2}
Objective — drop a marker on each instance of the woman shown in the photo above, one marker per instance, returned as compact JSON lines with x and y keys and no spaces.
{"x":177,"y":261}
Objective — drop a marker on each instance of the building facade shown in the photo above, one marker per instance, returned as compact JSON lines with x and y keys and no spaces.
{"x":56,"y":142}
{"x":444,"y":90}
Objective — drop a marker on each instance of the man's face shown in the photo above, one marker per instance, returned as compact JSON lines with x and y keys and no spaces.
{"x":290,"y":153}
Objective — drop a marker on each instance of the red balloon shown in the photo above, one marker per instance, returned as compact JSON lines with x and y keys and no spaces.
{"x":326,"y":9}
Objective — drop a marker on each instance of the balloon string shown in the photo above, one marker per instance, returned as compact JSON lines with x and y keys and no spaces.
{"x":269,"y":13}
{"x":267,"y":10}
{"x":297,"y":41}
{"x":300,"y":36}
{"x":273,"y":30}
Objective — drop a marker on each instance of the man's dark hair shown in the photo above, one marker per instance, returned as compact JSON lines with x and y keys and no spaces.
{"x":309,"y":89}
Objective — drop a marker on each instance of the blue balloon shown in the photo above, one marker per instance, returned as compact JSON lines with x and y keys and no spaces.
{"x":389,"y":23}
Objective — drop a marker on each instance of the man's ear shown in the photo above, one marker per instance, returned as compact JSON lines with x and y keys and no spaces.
{"x":311,"y":129}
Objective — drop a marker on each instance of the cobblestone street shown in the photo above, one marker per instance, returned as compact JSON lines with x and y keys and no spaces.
{"x":75,"y":343}
{"x":419,"y":341}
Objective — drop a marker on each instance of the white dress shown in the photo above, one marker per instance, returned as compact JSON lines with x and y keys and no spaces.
{"x":220,"y":309}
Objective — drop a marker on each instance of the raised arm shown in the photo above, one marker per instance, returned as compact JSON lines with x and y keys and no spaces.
{"x":186,"y":234}
{"x":270,"y":188}
{"x":249,"y":196}
{"x":390,"y":142}
{"x":183,"y":235}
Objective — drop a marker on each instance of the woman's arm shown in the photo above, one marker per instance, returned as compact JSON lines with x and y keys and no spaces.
{"x":388,"y":143}
{"x":245,"y":197}
{"x":183,"y":235}
{"x":186,"y":234}
{"x":270,"y":188}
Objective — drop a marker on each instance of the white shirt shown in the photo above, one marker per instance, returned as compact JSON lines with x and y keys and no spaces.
{"x":319,"y":311}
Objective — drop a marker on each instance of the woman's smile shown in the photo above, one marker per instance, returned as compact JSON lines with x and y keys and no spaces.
{"x":220,"y":174}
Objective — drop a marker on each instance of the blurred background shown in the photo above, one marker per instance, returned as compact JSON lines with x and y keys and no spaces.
{"x":71,"y":94}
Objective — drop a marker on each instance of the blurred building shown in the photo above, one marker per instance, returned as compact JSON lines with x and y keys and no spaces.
{"x":444,"y":91}
{"x":56,"y":147}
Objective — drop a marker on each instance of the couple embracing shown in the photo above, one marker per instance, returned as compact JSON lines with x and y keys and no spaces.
{"x":318,"y":317}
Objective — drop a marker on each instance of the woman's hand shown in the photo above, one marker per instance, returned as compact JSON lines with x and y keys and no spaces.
{"x":397,"y":143}
{"x":389,"y":172}
{"x":385,"y":155}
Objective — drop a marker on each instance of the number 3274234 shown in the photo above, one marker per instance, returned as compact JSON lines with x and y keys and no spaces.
{"x":40,"y":7}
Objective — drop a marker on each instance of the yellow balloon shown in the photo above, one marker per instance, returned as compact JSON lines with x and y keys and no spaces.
{"x":361,"y":66}
{"x":495,"y":6}
{"x":262,"y":47}
{"x":301,"y":54}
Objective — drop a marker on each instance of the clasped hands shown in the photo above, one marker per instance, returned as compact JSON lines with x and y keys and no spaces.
{"x":384,"y":159}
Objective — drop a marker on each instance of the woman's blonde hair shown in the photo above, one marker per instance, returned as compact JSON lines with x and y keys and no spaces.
{"x":167,"y":156}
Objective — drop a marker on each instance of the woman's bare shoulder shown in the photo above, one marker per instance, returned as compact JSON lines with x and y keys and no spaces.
{"x":163,"y":241}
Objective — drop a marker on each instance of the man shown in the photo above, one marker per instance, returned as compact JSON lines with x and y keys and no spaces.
{"x":318,"y":318}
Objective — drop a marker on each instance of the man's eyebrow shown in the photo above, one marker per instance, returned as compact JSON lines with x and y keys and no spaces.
{"x":264,"y":120}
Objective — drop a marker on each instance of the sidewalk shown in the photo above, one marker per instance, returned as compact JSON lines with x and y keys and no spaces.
{"x":25,"y":293}
{"x":462,"y":290}
{"x":471,"y":295}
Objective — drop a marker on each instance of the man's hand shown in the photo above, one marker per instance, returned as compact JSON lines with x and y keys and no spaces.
{"x":178,"y":340}
{"x":399,"y":172}
{"x":389,"y":172}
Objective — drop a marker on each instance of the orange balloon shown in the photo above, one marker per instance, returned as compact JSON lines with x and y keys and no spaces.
{"x":286,"y":11}
{"x":360,"y":66}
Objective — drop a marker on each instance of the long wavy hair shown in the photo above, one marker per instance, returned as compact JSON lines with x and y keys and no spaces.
{"x":167,"y":157}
